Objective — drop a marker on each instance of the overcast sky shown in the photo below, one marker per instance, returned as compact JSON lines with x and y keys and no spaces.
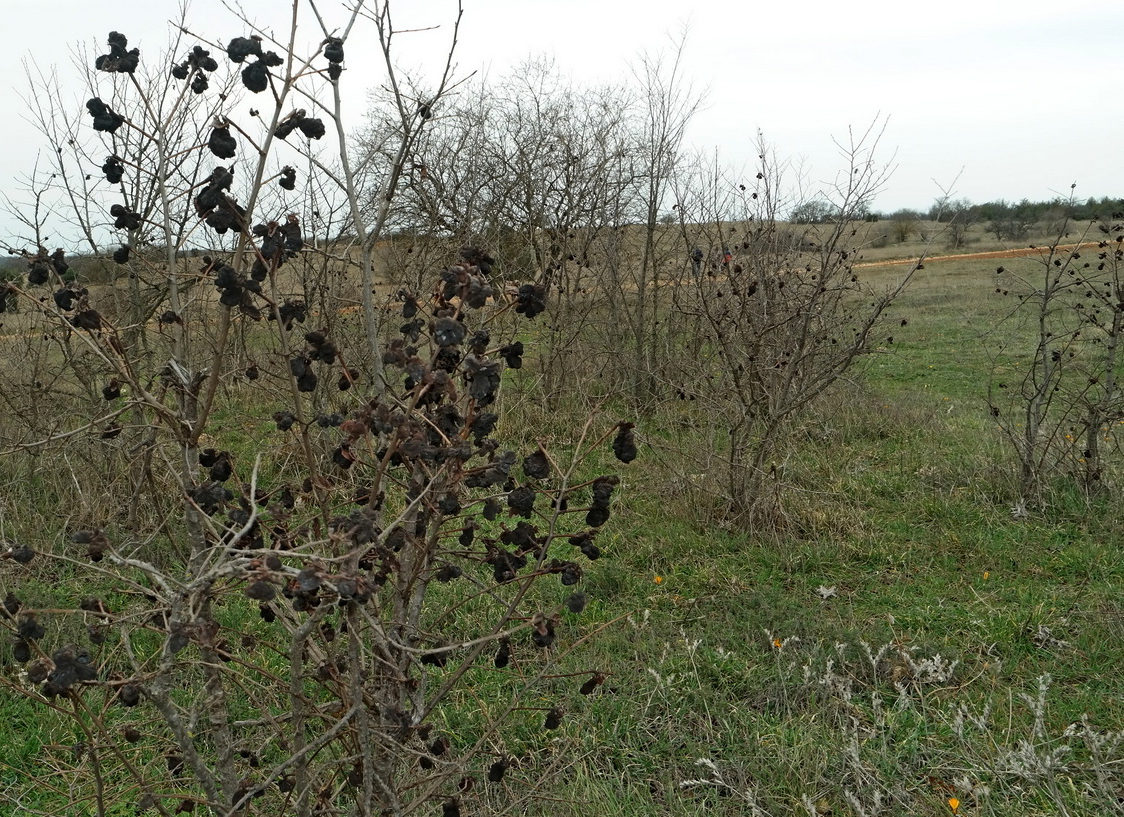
{"x":993,"y":98}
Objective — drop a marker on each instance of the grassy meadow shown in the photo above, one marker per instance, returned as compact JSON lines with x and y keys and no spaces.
{"x":912,"y":643}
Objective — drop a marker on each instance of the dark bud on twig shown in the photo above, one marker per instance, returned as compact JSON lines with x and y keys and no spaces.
{"x":542,"y":630}
{"x":513,"y":355}
{"x":29,"y":629}
{"x":522,"y":501}
{"x":448,"y":573}
{"x":93,"y":541}
{"x":284,"y":420}
{"x":602,"y":496}
{"x":124,"y":218}
{"x":38,"y":271}
{"x":111,"y":390}
{"x":90,"y":320}
{"x":261,"y":590}
{"x":129,"y":695}
{"x":312,"y":128}
{"x":65,"y":298}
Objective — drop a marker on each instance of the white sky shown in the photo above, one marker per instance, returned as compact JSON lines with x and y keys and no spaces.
{"x":995,"y":98}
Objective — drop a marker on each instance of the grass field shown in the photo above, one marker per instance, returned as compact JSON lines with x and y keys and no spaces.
{"x":909,"y":646}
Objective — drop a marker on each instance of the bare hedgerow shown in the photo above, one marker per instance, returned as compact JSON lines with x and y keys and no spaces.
{"x":319,"y":557}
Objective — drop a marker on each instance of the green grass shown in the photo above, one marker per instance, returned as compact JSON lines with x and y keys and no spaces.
{"x":904,"y":545}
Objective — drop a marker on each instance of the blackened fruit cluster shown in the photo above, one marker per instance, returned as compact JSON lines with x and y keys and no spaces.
{"x":113,"y":169}
{"x":94,"y":541}
{"x":311,"y":127}
{"x":333,"y":51}
{"x":598,"y":513}
{"x":71,"y":666}
{"x":278,"y":243}
{"x":40,"y":266}
{"x":221,"y":143}
{"x":530,"y":300}
{"x":288,"y":179}
{"x":291,"y":311}
{"x":234,"y":287}
{"x":300,"y":367}
{"x":216,"y":208}
{"x":478,"y":258}
{"x":255,"y":76}
{"x":624,"y":444}
{"x":106,"y":119}
{"x":198,"y":64}
{"x":124,"y":218}
{"x":118,"y":60}
{"x":321,"y":348}
{"x":467,"y":283}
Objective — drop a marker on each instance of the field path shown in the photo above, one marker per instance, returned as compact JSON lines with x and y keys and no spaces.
{"x":1019,"y":253}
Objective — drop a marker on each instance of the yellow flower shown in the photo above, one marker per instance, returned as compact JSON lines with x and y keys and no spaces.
{"x":953,"y":804}
{"x":778,"y":643}
{"x":658,"y":579}
{"x":986,"y":574}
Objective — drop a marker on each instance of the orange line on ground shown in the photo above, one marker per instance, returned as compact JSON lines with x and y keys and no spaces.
{"x":980,"y":255}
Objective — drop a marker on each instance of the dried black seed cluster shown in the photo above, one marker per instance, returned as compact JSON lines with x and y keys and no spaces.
{"x":279,"y":242}
{"x":235,"y":288}
{"x":198,"y":65}
{"x":602,"y":496}
{"x":113,"y":169}
{"x":41,"y":265}
{"x":118,"y":60}
{"x":531,"y":300}
{"x":105,"y":118}
{"x":215,"y":207}
{"x":299,"y":120}
{"x":221,"y":143}
{"x":255,"y":76}
{"x":124,"y":218}
{"x":624,"y":444}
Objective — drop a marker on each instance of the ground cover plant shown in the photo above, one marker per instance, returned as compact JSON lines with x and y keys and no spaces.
{"x":313,"y":524}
